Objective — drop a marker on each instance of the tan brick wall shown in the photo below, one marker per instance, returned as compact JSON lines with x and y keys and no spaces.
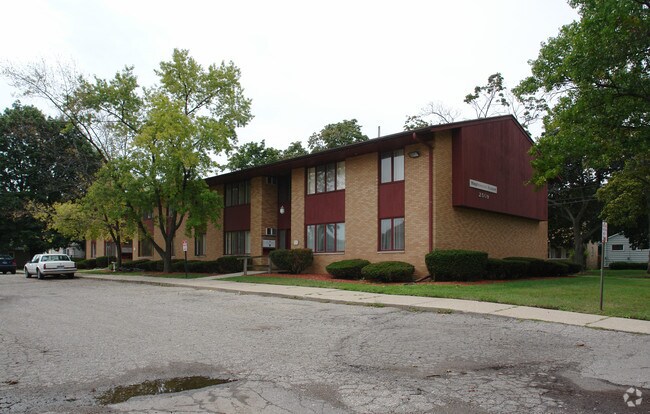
{"x":497,"y":234}
{"x":298,"y":208}
{"x":256,"y":215}
{"x":99,"y":251}
{"x":214,"y":233}
{"x":362,"y":214}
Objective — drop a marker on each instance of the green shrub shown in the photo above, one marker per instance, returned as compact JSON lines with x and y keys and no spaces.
{"x":103,"y":261}
{"x":179,"y":266}
{"x":498,"y":269}
{"x":152,"y":266}
{"x":230,"y":264}
{"x":87,"y":264}
{"x":555,"y":268}
{"x":134,"y":264}
{"x":573,"y":267}
{"x":389,"y":272}
{"x":205,"y":266}
{"x":294,"y":261}
{"x":627,"y":266}
{"x":457,"y":265}
{"x":347,"y":269}
{"x":536,"y":267}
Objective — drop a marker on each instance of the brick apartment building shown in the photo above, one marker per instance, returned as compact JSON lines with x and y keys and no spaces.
{"x":454,"y":186}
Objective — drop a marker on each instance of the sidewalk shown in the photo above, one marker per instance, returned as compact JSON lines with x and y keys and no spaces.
{"x":399,"y":301}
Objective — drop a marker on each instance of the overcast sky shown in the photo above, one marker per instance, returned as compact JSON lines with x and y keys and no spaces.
{"x":304,"y":64}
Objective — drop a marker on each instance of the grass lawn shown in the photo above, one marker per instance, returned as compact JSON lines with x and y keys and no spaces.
{"x":627,"y":292}
{"x":147,"y":273}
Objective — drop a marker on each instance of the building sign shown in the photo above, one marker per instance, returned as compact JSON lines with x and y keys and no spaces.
{"x":483,"y":186}
{"x":268,"y":244}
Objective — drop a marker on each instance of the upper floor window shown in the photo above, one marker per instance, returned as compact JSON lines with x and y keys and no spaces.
{"x":147,"y":215}
{"x":238,"y":193}
{"x":327,"y":177}
{"x":392,"y":166}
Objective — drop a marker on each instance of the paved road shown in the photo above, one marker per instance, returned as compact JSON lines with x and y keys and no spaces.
{"x":63,"y":343}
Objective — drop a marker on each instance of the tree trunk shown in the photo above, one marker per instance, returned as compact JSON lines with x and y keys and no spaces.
{"x":578,"y":245}
{"x":167,"y":259}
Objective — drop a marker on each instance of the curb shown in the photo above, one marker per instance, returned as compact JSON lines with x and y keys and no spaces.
{"x":426,"y":304}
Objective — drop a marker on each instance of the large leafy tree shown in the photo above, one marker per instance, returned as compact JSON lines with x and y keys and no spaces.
{"x":253,"y":154}
{"x":101,"y":213}
{"x":336,"y":135}
{"x":41,"y":163}
{"x":598,"y":72}
{"x":164,"y":135}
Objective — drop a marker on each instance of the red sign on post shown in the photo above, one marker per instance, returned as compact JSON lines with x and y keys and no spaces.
{"x":184,"y":245}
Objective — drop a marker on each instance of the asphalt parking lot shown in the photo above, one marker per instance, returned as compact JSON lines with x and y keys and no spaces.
{"x":66,"y":343}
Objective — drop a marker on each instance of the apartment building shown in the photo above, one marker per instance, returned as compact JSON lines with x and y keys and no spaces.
{"x":462,"y":185}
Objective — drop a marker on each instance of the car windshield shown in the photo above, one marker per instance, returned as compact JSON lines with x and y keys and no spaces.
{"x":5,"y":256}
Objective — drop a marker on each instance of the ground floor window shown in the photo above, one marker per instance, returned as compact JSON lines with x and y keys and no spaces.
{"x":391,"y":234}
{"x":199,"y":244}
{"x":93,"y":249}
{"x":237,"y":242}
{"x":329,"y":237}
{"x":109,"y":249}
{"x":145,"y":247}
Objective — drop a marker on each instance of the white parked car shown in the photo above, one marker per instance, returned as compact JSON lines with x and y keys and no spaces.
{"x":43,"y":265}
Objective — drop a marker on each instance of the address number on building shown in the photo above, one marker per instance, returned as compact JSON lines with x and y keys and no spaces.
{"x":483,"y":195}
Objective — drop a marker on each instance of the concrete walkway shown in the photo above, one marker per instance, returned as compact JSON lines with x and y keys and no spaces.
{"x":399,"y":301}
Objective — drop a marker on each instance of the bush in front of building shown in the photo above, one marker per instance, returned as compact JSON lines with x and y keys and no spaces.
{"x":498,"y":269}
{"x":573,"y":267}
{"x":152,"y":265}
{"x":294,"y":261}
{"x":627,"y":266}
{"x":229,"y":264}
{"x":536,"y":267}
{"x":456,"y":265}
{"x":392,"y":271}
{"x":555,"y":268}
{"x":87,"y":264}
{"x":347,"y":269}
{"x":103,"y":261}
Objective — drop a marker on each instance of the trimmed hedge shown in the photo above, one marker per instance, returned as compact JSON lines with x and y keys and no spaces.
{"x":347,"y":269}
{"x":103,"y":261}
{"x":573,"y":267}
{"x":389,"y":272}
{"x":627,"y":266}
{"x":536,"y":267}
{"x":229,"y":264}
{"x":294,"y":261}
{"x":498,"y":269}
{"x":456,"y":265}
{"x":87,"y":264}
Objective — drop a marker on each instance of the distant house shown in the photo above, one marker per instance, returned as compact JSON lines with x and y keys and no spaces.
{"x":619,"y":250}
{"x":74,"y":250}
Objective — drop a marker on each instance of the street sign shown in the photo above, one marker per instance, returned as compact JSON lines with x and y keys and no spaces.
{"x":184,"y":245}
{"x":604,"y":238}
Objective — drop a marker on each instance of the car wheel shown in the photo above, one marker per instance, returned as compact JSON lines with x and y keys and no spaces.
{"x":71,"y":276}
{"x":39,"y":274}
{"x":4,"y":273}
{"x":13,"y":272}
{"x":27,"y":275}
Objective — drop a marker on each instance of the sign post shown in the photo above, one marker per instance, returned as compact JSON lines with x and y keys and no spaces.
{"x":602,"y":262}
{"x":185,"y":252}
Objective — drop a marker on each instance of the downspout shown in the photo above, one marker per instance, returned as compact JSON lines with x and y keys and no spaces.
{"x":431,"y":193}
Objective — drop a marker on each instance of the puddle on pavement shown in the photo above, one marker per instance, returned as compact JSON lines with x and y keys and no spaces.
{"x":120,"y":394}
